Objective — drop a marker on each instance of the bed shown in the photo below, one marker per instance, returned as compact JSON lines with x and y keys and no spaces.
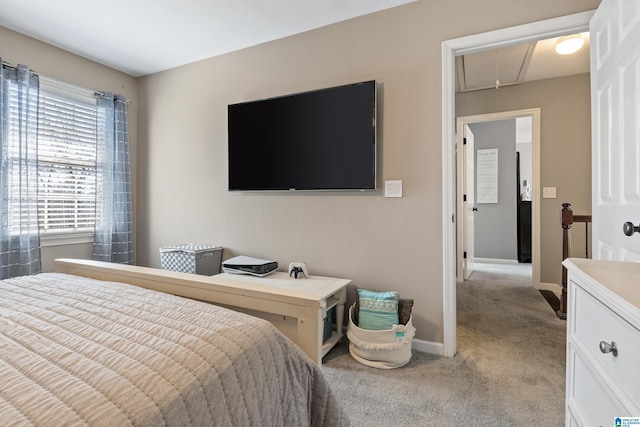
{"x":296,"y":308}
{"x":80,"y":351}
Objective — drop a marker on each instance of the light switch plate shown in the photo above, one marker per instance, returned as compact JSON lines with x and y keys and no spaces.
{"x":549,"y":193}
{"x":393,"y":188}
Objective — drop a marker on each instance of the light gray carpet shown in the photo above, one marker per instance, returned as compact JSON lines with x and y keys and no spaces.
{"x":509,"y":370}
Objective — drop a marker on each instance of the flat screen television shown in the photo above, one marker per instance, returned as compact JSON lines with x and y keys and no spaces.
{"x":319,"y":140}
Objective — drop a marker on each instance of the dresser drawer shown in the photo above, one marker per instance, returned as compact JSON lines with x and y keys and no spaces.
{"x":590,"y":401}
{"x":593,"y":323}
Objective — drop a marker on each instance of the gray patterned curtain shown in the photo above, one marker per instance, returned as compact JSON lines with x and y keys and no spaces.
{"x":113,"y":239}
{"x":19,"y":230}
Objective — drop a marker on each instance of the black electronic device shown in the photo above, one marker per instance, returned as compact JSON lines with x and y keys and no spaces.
{"x":318,"y":140}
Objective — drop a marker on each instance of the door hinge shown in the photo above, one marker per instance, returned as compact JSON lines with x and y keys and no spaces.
{"x":464,"y":255}
{"x":464,"y":197}
{"x":464,"y":141}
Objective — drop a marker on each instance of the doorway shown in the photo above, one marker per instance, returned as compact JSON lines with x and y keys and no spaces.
{"x":450,"y":49}
{"x":462,"y":176}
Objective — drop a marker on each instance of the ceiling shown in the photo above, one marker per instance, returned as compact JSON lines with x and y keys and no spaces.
{"x":142,"y":37}
{"x":147,"y":36}
{"x":518,"y":64}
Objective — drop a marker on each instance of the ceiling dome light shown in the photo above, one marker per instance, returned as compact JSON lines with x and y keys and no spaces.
{"x":569,"y":44}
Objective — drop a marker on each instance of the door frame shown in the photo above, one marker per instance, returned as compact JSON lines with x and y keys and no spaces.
{"x":555,"y":27}
{"x":534,"y":113}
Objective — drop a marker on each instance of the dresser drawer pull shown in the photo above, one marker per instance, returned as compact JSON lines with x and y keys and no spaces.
{"x":609,"y":348}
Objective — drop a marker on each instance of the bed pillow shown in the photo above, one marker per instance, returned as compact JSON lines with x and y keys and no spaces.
{"x":378,"y":310}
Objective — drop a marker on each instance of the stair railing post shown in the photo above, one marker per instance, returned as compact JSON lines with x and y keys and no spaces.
{"x":567,"y":222}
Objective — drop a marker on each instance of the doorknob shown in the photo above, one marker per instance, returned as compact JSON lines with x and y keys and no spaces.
{"x":628,"y":228}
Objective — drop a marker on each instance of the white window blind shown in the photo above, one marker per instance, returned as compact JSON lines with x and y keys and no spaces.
{"x":19,"y":163}
{"x":66,"y":160}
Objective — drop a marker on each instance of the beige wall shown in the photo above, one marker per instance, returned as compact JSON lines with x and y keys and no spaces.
{"x":380,"y":243}
{"x":565,"y":152}
{"x":177,"y":123}
{"x":58,"y":64}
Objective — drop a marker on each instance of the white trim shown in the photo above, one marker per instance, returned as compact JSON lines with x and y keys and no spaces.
{"x":496,"y":261}
{"x":448,"y":201}
{"x":428,"y":346}
{"x":419,"y":345}
{"x":65,"y":239}
{"x":553,"y":287}
{"x":555,"y":27}
{"x":534,"y":113}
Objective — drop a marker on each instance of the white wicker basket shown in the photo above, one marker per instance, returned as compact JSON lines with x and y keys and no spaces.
{"x":386,"y":349}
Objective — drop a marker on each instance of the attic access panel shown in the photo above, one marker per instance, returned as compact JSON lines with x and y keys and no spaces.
{"x":481,"y":70}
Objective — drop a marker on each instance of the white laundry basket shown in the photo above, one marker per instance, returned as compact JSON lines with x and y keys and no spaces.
{"x":385,"y":349}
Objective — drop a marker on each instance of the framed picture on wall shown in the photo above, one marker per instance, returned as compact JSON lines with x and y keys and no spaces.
{"x":487,"y":175}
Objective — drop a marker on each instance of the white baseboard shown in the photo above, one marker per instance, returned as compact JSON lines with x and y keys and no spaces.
{"x":431,"y":347}
{"x":495,"y":261}
{"x":553,"y":287}
{"x":436,"y":348}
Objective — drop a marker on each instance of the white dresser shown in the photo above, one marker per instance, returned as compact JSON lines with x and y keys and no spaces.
{"x":603,"y":342}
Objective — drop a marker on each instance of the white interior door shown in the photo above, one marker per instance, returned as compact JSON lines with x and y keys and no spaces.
{"x":615,"y":99}
{"x":468,"y":201}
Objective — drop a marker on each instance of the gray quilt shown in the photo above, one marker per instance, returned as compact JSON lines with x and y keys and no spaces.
{"x":77,"y":351}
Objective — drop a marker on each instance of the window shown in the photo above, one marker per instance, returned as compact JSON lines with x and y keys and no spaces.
{"x":66,"y":161}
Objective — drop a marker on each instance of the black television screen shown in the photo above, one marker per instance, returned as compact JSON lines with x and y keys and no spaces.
{"x":319,"y":140}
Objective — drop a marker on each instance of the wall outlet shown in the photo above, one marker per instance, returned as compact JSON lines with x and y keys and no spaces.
{"x":549,"y":193}
{"x":393,"y":188}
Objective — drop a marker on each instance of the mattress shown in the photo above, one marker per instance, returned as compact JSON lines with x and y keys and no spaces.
{"x":77,"y":351}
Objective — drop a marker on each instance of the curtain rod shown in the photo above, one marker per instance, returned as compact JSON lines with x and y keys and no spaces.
{"x":95,"y":92}
{"x":7,"y":64}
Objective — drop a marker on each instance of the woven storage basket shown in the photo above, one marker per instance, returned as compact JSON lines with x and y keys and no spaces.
{"x":190,"y":258}
{"x":385,"y":349}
